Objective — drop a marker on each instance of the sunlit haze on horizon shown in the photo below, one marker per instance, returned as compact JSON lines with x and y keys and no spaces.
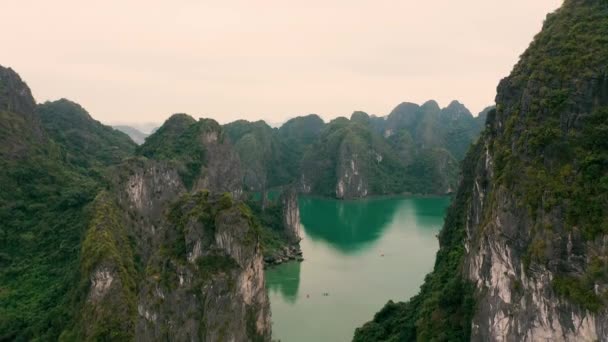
{"x":140,"y":61}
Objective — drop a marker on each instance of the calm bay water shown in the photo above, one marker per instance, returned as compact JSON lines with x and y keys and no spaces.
{"x":359,"y":253}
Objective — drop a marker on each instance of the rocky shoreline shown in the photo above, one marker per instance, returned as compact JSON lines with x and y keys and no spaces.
{"x":286,"y":254}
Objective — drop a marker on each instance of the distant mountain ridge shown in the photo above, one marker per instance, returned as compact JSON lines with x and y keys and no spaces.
{"x":136,"y":135}
{"x":87,"y":142}
{"x":108,"y":240}
{"x":414,"y":149}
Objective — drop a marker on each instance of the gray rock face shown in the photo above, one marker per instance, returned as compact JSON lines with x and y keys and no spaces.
{"x":222,"y":172}
{"x":202,"y":273}
{"x":291,"y":214}
{"x":351,"y":181}
{"x":15,"y":95}
{"x":147,"y":188}
{"x":516,"y":252}
{"x":515,"y":302}
{"x":203,"y":302}
{"x":20,"y":128}
{"x":150,"y":186}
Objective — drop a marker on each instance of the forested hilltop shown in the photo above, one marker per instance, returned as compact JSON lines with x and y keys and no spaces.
{"x":415,"y":149}
{"x":105,"y":240}
{"x":524,"y":249}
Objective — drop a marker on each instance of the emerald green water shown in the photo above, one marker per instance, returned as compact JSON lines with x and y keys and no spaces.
{"x":362,"y":253}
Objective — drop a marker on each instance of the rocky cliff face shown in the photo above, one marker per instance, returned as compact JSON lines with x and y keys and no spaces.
{"x":188,"y":264}
{"x":291,"y":215}
{"x":222,"y":168}
{"x":20,"y":129}
{"x":351,"y":182}
{"x":15,"y":95}
{"x":102,"y":248}
{"x":537,"y":246}
{"x":415,"y":149}
{"x":204,"y":156}
{"x":349,"y":161}
{"x":524,"y":251}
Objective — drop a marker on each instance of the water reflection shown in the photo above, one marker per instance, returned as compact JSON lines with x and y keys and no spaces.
{"x":352,"y":226}
{"x":285,"y":280}
{"x":361,"y":253}
{"x":349,"y":226}
{"x":428,"y":213}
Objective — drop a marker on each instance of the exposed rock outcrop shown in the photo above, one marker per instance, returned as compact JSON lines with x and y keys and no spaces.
{"x":201,"y":276}
{"x":291,"y":215}
{"x":222,"y":169}
{"x":20,"y":129}
{"x":539,"y":267}
{"x":351,"y":182}
{"x":287,"y":253}
{"x":205,"y":158}
{"x":414,"y":150}
{"x":15,"y":95}
{"x":524,"y":250}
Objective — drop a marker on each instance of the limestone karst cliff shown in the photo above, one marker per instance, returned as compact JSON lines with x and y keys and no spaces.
{"x":199,"y":274}
{"x":204,"y":157}
{"x":415,"y":149}
{"x":20,"y":128}
{"x":102,"y":244}
{"x":524,"y":250}
{"x":406,"y":152}
{"x":291,"y":215}
{"x":198,"y":271}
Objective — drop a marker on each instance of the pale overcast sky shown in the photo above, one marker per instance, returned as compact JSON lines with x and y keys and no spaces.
{"x":141,"y":60}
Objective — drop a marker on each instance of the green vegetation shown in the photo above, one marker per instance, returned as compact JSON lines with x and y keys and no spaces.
{"x":581,"y":290}
{"x":106,"y":248}
{"x":87,"y":144}
{"x":269,"y":219}
{"x":271,"y":157}
{"x":429,"y":127}
{"x":566,"y":165}
{"x":42,"y":210}
{"x":182,"y":140}
{"x":259,"y":151}
{"x":415,"y":150}
{"x":47,"y":185}
{"x":297,"y":135}
{"x":548,"y":142}
{"x":443,"y":309}
{"x":382,"y":164}
{"x":190,"y":207}
{"x":42,"y":213}
{"x":210,"y":265}
{"x":565,"y":162}
{"x":58,"y":236}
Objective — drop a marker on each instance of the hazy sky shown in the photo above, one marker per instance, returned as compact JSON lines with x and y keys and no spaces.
{"x":142,"y":60}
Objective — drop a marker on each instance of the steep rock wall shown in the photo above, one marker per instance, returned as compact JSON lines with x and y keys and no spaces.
{"x":196,"y":269}
{"x":536,"y":237}
{"x":527,"y":236}
{"x":291,"y":215}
